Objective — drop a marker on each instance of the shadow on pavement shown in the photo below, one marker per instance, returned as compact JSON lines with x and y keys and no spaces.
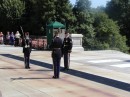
{"x":40,"y":70}
{"x":127,"y":60}
{"x":11,"y":68}
{"x":21,"y":78}
{"x":92,"y":77}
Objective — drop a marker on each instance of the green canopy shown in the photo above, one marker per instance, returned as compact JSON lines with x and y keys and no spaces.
{"x":55,"y":25}
{"x":51,"y":28}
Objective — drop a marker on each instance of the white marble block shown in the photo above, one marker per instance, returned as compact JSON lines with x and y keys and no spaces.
{"x":77,"y":42}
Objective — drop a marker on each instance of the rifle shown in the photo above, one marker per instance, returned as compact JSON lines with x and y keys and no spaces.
{"x":23,"y":36}
{"x":22,"y":32}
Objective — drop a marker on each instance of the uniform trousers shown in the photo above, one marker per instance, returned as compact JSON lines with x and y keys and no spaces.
{"x":66,"y":60}
{"x":27,"y":60}
{"x":56,"y":67}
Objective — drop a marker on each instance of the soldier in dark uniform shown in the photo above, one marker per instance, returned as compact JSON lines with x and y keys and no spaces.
{"x":27,"y":45}
{"x":56,"y":47}
{"x":67,"y":46}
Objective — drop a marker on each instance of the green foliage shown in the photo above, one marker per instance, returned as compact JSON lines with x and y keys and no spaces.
{"x":11,"y":11}
{"x":12,"y":8}
{"x":84,"y":18}
{"x":45,"y":11}
{"x":82,"y":5}
{"x":119,"y":10}
{"x":38,"y":14}
{"x":107,"y":34}
{"x":84,"y":22}
{"x":64,"y":13}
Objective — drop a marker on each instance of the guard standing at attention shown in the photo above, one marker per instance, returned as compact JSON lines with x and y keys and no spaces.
{"x":67,"y":46}
{"x":27,"y":45}
{"x":56,"y":47}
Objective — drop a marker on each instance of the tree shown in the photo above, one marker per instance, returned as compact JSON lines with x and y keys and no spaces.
{"x":11,"y":11}
{"x":119,"y":10}
{"x":26,"y":21}
{"x":41,"y":12}
{"x":107,"y":34}
{"x":38,"y":14}
{"x":46,"y":11}
{"x":84,"y":21}
{"x":64,"y":14}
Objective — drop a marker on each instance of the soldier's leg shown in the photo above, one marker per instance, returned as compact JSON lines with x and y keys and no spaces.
{"x":28,"y":60}
{"x":25,"y":60}
{"x":54,"y":67}
{"x":66,"y":60}
{"x":58,"y":67}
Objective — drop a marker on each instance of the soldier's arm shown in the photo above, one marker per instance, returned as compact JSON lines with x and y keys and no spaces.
{"x":30,"y":45}
{"x":30,"y":42}
{"x":70,"y":45}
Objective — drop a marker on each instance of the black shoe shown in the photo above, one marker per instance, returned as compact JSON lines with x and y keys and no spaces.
{"x":57,"y":77}
{"x":54,"y":77}
{"x":28,"y":67}
{"x":64,"y":69}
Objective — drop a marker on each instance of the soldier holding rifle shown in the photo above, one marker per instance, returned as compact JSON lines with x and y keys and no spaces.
{"x":27,"y":45}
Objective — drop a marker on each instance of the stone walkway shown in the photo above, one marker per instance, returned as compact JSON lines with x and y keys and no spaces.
{"x":91,"y":74}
